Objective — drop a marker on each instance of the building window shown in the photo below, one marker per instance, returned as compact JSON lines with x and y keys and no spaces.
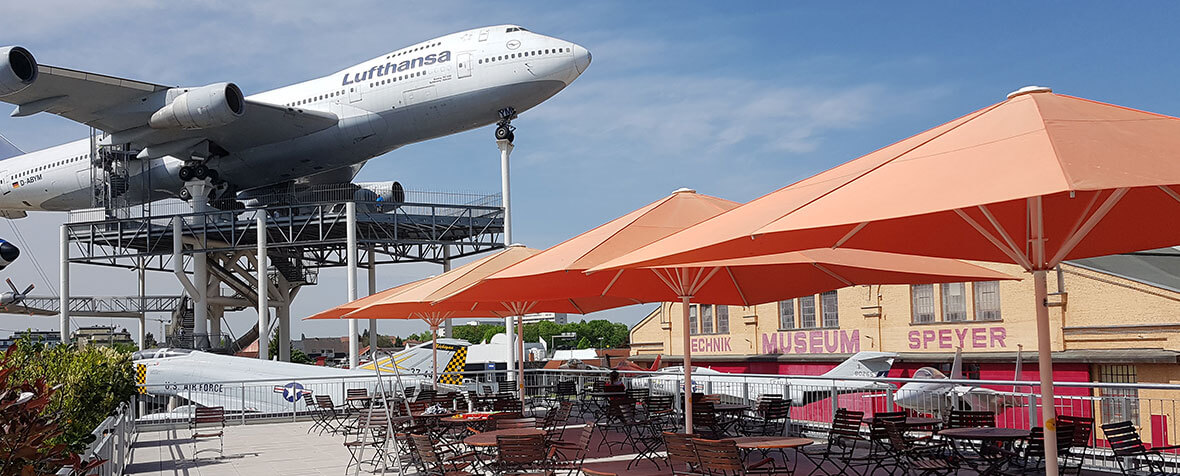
{"x":987,"y":301}
{"x":692,"y":320}
{"x":830,"y":308}
{"x":954,"y":302}
{"x":807,"y":312}
{"x":1118,"y":404}
{"x":706,"y":319}
{"x":786,"y":314}
{"x":722,"y":319}
{"x":922,"y":297}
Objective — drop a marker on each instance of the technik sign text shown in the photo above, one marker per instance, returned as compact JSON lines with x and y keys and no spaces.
{"x":811,"y":342}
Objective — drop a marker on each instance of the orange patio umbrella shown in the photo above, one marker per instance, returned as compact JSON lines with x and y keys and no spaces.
{"x":339,"y":311}
{"x":422,"y":300}
{"x":558,"y":272}
{"x":1034,"y":180}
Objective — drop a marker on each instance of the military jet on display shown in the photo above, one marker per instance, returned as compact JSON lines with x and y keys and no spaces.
{"x":241,"y":384}
{"x":800,"y":391}
{"x":935,"y":398}
{"x":316,"y":132}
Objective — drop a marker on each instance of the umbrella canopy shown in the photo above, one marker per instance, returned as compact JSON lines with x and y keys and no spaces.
{"x":339,"y":311}
{"x":556,"y":273}
{"x":1034,"y":180}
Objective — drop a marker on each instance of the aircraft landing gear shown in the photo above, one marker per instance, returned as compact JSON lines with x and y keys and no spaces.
{"x":504,"y":127}
{"x":197,"y":172}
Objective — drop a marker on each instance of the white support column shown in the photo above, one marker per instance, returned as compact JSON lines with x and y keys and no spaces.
{"x":372,"y":290}
{"x":448,"y":323}
{"x":263,"y":292}
{"x":199,"y":191}
{"x":216,"y":311}
{"x":64,"y":285}
{"x":510,"y":353}
{"x":505,"y":187}
{"x":283,"y":314}
{"x":353,"y":329}
{"x":142,"y":313}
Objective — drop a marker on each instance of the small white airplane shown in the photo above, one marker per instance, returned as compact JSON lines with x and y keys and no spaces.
{"x":935,"y":398}
{"x":311,"y":133}
{"x":264,"y":386}
{"x":800,"y":391}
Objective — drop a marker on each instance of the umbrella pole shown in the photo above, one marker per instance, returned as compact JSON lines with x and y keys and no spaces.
{"x":434,"y":353}
{"x":1045,"y":369}
{"x":520,"y":356}
{"x":684,"y":303}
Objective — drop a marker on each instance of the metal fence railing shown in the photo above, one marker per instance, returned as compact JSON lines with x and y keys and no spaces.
{"x":1153,"y":408}
{"x":112,"y":443}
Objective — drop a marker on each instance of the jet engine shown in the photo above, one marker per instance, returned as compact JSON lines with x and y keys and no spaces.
{"x":18,"y":69}
{"x":214,"y":105}
{"x":387,"y":192}
{"x":8,"y":253}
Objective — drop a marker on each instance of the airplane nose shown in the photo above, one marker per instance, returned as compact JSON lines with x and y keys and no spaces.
{"x":581,"y":58}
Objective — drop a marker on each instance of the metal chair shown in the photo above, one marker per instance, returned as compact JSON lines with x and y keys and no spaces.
{"x":506,"y":424}
{"x":881,"y":453}
{"x":572,"y":455}
{"x":660,"y":409}
{"x":722,"y":458}
{"x":971,"y":419}
{"x":556,"y":420}
{"x":1033,"y":454}
{"x":770,"y":418}
{"x":706,"y":422}
{"x":435,"y":462}
{"x":371,"y":431}
{"x":1131,"y":453}
{"x":212,"y":418}
{"x":842,"y":439}
{"x":330,"y":412}
{"x":922,"y":459}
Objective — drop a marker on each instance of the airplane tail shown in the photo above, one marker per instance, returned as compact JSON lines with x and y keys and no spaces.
{"x":1019,"y":366}
{"x":957,"y":365}
{"x":864,"y":364}
{"x":452,"y":357}
{"x":655,"y":364}
{"x":7,"y":150}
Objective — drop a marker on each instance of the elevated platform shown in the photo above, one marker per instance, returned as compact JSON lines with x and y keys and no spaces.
{"x":96,"y":306}
{"x":416,"y":229}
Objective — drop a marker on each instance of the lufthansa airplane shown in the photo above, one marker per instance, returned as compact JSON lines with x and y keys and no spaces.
{"x":315,"y":132}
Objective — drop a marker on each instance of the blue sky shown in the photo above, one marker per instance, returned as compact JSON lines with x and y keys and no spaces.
{"x":732,"y":99}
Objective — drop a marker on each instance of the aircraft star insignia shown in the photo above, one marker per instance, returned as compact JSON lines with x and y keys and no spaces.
{"x":292,"y":391}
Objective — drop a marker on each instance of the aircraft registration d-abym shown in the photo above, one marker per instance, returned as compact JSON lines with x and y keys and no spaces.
{"x":311,"y":133}
{"x":801,"y":391}
{"x":207,"y":379}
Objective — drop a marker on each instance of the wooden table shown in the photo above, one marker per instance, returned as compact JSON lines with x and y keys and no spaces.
{"x":910,"y":422}
{"x":488,"y":439}
{"x":765,"y":444}
{"x":730,"y":407}
{"x":988,"y":461}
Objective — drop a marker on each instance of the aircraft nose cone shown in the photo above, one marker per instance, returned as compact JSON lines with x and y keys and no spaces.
{"x":581,"y":58}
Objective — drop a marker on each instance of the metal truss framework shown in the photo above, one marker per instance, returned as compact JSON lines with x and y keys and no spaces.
{"x":97,"y":306}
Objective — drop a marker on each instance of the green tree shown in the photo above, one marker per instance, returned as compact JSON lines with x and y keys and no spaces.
{"x":149,"y":341}
{"x":297,"y":356}
{"x":93,"y":381}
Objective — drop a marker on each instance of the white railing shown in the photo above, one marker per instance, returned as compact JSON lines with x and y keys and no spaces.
{"x":112,"y":443}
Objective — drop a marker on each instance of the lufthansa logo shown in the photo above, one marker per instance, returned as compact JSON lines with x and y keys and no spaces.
{"x":513,"y":44}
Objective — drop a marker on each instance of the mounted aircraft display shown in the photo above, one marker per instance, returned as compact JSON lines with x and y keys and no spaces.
{"x":799,"y":390}
{"x":311,"y":133}
{"x":208,"y":379}
{"x":935,"y":398}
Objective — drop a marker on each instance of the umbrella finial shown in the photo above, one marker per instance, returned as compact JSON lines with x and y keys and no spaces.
{"x":684,"y":190}
{"x":1029,"y":90}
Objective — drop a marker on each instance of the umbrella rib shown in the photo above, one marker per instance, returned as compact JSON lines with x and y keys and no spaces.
{"x":1015,"y":256}
{"x":699,"y":282}
{"x":576,"y":307}
{"x":987,"y":213}
{"x":850,"y":233}
{"x":1098,"y":215}
{"x":1085,"y":213}
{"x":666,"y":281}
{"x":612,"y":282}
{"x":1171,"y":193}
{"x":832,"y":274}
{"x":741,"y":295}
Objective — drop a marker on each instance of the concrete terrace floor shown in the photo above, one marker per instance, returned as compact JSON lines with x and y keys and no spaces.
{"x":287,"y":449}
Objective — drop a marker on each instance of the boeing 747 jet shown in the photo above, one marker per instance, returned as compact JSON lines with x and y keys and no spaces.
{"x":311,"y":133}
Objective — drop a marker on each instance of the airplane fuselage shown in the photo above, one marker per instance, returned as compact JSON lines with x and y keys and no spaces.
{"x":439,"y":87}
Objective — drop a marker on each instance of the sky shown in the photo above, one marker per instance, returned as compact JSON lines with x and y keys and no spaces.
{"x":732,"y":99}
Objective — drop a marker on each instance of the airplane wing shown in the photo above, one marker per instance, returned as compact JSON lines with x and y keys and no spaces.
{"x":123,"y":108}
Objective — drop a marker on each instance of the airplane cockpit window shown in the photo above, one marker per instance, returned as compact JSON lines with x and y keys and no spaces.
{"x":928,"y":373}
{"x":514,"y":28}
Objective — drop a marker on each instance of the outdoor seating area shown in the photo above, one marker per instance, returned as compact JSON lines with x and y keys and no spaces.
{"x":639,"y":433}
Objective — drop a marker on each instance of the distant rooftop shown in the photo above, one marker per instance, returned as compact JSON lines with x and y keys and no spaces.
{"x":1159,"y":268}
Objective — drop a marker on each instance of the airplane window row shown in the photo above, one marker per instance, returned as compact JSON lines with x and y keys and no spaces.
{"x":48,"y":166}
{"x":408,"y":51}
{"x":316,"y":98}
{"x":397,"y":78}
{"x":525,"y":54}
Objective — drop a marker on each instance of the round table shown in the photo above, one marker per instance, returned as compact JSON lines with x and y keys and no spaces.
{"x":771,"y":442}
{"x":985,"y":434}
{"x":910,"y":422}
{"x":730,"y":407}
{"x":488,"y":439}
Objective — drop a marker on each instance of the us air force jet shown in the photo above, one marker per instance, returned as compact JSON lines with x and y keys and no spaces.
{"x":315,"y":132}
{"x":801,"y":391}
{"x":248,"y":385}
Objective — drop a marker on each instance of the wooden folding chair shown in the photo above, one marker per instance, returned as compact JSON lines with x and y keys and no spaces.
{"x":208,"y":422}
